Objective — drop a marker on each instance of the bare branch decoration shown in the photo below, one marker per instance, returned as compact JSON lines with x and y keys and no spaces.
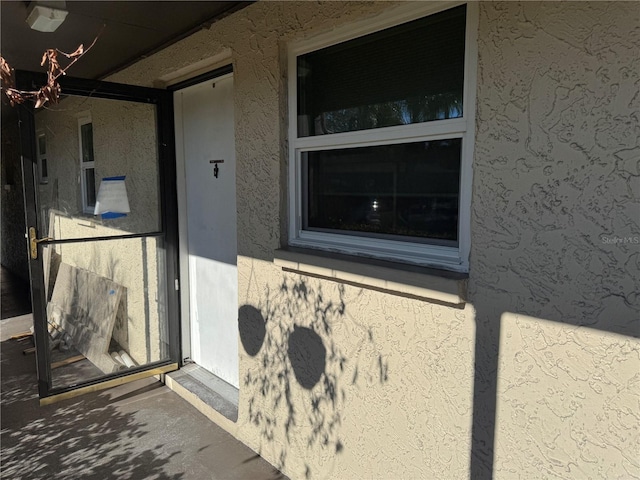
{"x":49,"y":92}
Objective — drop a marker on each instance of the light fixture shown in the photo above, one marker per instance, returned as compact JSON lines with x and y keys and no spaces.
{"x":46,"y":16}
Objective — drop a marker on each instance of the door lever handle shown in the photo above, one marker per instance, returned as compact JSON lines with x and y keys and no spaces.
{"x":33,"y":242}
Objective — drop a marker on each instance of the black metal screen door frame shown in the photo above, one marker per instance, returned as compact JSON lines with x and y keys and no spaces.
{"x":163,"y":102}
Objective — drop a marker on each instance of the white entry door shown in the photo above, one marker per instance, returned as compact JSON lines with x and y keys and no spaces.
{"x":205,"y":140}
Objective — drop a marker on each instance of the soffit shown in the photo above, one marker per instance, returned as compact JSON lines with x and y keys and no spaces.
{"x":128,"y":31}
{"x":132,"y":30}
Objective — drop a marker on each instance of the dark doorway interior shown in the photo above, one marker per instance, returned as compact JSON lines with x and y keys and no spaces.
{"x":16,"y":299}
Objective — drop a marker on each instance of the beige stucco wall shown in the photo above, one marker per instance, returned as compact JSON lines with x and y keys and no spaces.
{"x":509,"y":385}
{"x":132,"y":263}
{"x":124,"y":142}
{"x":555,"y":180}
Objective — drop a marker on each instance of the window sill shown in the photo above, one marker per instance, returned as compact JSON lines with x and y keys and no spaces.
{"x":437,"y":286}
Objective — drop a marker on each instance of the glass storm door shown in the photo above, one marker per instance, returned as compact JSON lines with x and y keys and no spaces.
{"x":99,"y":174}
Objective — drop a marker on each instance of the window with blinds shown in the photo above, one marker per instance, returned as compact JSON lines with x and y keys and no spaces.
{"x":407,"y":74}
{"x":382,"y":142}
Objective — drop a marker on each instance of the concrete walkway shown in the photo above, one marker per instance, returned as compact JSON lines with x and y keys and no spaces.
{"x":141,"y":430}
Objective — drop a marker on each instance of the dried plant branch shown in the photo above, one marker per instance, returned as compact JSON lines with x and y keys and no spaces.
{"x":51,"y":91}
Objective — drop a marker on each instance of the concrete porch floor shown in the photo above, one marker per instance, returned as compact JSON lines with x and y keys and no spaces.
{"x":141,"y":430}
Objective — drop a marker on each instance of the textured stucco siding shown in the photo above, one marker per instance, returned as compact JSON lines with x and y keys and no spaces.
{"x":556,"y":179}
{"x":567,"y":402}
{"x":132,"y":263}
{"x":512,"y":385}
{"x":394,"y":400}
{"x":124,"y":143}
{"x":556,"y":167}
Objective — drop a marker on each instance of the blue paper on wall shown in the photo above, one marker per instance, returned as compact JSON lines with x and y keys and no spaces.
{"x":112,"y":201}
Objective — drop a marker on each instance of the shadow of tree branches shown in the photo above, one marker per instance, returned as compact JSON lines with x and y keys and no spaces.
{"x":300,"y":387}
{"x":81,"y":438}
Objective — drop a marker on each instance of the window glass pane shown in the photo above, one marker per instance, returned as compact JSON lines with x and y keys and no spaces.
{"x":106,"y":306}
{"x":43,"y":168}
{"x":406,"y":74}
{"x":42,"y":145}
{"x":407,"y":191}
{"x":87,"y":142}
{"x":122,"y":141}
{"x":90,"y":185}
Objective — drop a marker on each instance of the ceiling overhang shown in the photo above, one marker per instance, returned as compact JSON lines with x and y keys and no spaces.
{"x":126,"y":32}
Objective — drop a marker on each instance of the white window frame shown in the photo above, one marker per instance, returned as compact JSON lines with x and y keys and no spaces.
{"x":450,"y":258}
{"x":44,"y":179}
{"x":85,"y":119}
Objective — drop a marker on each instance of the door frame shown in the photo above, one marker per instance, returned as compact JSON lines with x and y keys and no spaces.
{"x":163,"y":100}
{"x":181,"y":181}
